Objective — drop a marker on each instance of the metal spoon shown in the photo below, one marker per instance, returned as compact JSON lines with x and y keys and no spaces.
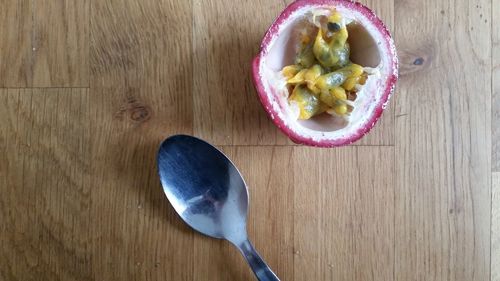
{"x":209,"y":193}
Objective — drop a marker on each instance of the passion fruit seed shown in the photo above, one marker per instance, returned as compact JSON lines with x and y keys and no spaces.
{"x":356,"y":69}
{"x":327,"y":98}
{"x":309,"y":105}
{"x":290,"y":71}
{"x":354,"y":77}
{"x":332,"y":79}
{"x":333,"y":96}
{"x":311,"y":75}
{"x":306,"y":58}
{"x":343,"y":56}
{"x":340,"y":109}
{"x":298,"y":78}
{"x":322,"y":72}
{"x":333,"y":26}
{"x":339,"y":93}
{"x":350,"y":83}
{"x":322,"y":52}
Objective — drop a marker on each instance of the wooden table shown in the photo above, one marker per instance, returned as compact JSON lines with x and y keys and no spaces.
{"x":90,"y":88}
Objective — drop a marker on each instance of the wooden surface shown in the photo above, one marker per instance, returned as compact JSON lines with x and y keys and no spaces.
{"x":90,"y":88}
{"x":495,"y":85}
{"x":495,"y":228}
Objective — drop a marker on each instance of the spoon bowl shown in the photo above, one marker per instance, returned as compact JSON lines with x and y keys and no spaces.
{"x":208,"y":192}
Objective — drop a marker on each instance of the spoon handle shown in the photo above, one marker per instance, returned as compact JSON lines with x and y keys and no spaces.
{"x":259,"y":267}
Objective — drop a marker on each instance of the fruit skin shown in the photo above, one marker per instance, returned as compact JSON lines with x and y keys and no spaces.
{"x":265,"y":98}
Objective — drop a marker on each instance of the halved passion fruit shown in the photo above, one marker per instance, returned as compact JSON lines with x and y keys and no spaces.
{"x":325,"y":71}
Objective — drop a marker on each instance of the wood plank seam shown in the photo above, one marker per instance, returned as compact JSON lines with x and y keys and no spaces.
{"x":41,"y":88}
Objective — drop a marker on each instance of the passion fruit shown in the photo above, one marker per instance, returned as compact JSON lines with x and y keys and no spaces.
{"x":325,"y":71}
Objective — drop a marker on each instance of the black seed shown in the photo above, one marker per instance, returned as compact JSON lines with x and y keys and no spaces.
{"x":333,"y":26}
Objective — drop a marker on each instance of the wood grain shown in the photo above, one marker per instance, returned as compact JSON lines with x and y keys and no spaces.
{"x":144,"y":45}
{"x":495,"y":228}
{"x":443,"y":141}
{"x":226,"y":110}
{"x":140,"y":93}
{"x":15,"y":47}
{"x":495,"y":127}
{"x":44,"y":44}
{"x":45,"y":202}
{"x":138,"y":232}
{"x":495,"y":90}
{"x":340,"y":233}
{"x":270,"y":222}
{"x":308,"y":223}
{"x":61,"y":43}
{"x":80,"y":197}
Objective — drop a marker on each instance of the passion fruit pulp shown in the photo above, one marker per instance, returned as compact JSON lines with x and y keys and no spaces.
{"x":370,"y":46}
